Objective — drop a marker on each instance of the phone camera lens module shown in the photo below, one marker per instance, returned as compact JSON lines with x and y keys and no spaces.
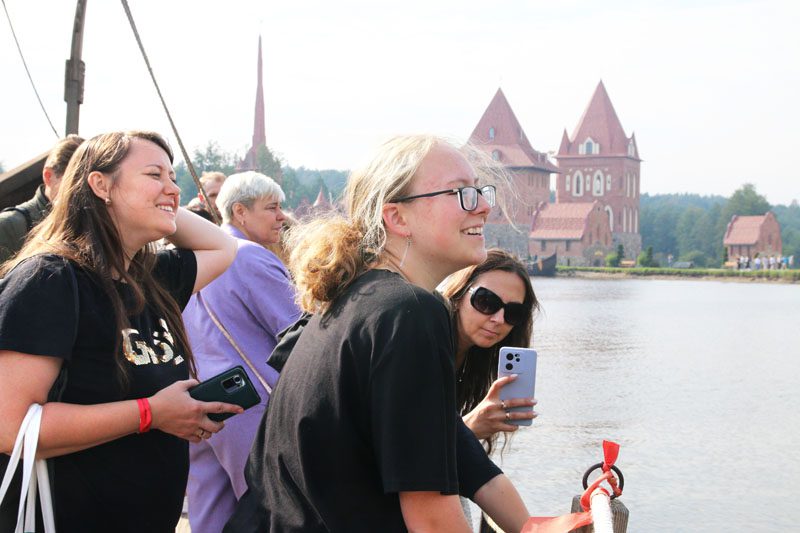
{"x":509,"y":356}
{"x":237,"y":380}
{"x":509,"y":366}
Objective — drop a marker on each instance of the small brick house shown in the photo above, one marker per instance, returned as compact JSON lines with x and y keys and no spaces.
{"x":750,"y":235}
{"x":578,"y":232}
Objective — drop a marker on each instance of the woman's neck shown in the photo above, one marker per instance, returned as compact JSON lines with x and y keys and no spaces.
{"x":463,"y":346}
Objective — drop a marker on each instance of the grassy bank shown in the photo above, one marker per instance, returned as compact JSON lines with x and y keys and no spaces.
{"x":787,"y":276}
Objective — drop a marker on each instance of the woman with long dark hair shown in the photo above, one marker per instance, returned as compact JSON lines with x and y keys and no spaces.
{"x":90,"y":301}
{"x":493,"y":305}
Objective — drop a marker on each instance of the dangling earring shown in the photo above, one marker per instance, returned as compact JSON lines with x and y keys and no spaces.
{"x":405,"y":253}
{"x":108,"y":201}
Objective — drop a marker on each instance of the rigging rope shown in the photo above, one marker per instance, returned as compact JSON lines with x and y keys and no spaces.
{"x":211,"y":206}
{"x":28,"y":72}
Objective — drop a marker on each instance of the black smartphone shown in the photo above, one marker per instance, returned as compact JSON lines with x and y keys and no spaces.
{"x":231,"y":386}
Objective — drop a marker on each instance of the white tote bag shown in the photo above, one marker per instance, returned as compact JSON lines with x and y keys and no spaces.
{"x":34,"y":473}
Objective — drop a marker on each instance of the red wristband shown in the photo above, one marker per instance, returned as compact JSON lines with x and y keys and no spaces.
{"x":145,"y":415}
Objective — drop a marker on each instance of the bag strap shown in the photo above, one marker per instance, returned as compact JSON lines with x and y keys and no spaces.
{"x":233,"y":342}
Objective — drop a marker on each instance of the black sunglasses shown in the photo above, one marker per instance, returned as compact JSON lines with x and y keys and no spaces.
{"x":488,"y":303}
{"x":467,"y":196}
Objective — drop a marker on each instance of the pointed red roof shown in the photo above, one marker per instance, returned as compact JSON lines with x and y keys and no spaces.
{"x":561,"y":221}
{"x":322,"y":201}
{"x":600,"y":124}
{"x":744,"y":230}
{"x":500,"y":135}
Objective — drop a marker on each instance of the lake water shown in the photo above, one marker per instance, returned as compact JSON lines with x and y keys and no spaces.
{"x":698,"y":381}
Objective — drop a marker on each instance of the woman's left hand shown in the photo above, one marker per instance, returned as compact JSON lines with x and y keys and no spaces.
{"x":492,"y":416}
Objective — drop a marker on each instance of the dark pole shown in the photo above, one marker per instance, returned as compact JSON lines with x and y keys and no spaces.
{"x":75,"y":71}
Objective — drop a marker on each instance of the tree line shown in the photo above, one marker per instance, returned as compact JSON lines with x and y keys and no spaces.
{"x":691,"y":227}
{"x":688,"y":227}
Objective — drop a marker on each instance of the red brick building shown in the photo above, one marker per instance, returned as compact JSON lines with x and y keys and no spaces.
{"x":599,"y":162}
{"x":500,"y":135}
{"x":578,"y":232}
{"x":753,"y":235}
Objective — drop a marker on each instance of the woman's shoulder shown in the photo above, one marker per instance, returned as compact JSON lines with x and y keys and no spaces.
{"x":392,"y":292}
{"x":36,"y":266}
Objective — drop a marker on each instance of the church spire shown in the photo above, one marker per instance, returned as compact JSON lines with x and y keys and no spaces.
{"x":259,"y":131}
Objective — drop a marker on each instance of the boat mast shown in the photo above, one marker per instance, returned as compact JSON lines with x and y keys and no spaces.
{"x":75,"y":71}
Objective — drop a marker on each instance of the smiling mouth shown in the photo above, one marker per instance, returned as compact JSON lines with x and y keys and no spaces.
{"x":167,"y":208}
{"x":474,"y":231}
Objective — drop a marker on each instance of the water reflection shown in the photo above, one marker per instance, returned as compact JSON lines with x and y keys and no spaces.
{"x":698,"y":381}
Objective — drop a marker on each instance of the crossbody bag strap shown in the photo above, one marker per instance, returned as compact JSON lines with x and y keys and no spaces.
{"x":233,"y":342}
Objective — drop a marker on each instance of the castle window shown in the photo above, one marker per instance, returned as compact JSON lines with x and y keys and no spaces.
{"x":589,"y":147}
{"x":544,"y":245}
{"x":496,"y":155}
{"x":610,"y":213}
{"x":631,"y":149}
{"x":566,"y":246}
{"x":598,"y":184}
{"x":491,"y":134}
{"x":578,"y":189}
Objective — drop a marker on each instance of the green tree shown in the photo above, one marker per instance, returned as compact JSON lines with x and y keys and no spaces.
{"x":268,"y":163}
{"x":745,"y":201}
{"x":646,"y":258}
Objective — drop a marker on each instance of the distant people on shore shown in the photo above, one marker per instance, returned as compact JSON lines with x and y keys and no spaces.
{"x":89,"y":294}
{"x":362,"y":431}
{"x":251,"y":302}
{"x":16,"y":222}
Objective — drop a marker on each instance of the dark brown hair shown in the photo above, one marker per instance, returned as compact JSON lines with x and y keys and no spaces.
{"x":59,"y":156}
{"x":479,"y":368}
{"x":80,"y":229}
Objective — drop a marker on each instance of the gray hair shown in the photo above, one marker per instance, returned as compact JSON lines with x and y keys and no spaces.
{"x":245,"y":188}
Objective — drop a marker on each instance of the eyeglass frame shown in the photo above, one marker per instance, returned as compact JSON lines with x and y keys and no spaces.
{"x":458,"y":191}
{"x":504,"y":305}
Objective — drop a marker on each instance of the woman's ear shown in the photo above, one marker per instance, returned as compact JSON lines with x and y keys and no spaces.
{"x":238,"y":210}
{"x":100,"y":184}
{"x":395,"y":220}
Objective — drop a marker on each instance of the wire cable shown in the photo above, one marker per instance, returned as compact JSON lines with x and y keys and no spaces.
{"x":25,"y":64}
{"x":211,"y":206}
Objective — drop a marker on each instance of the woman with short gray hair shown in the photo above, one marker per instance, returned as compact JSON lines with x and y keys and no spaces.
{"x":235,"y":321}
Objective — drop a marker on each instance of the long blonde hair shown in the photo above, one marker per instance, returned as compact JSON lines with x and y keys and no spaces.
{"x":329,"y":252}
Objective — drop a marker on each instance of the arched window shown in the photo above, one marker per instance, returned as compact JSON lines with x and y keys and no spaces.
{"x":491,"y":134}
{"x":496,"y":155}
{"x":636,"y":221}
{"x":578,"y":189}
{"x":589,"y":147}
{"x":610,"y":214}
{"x":597,"y":190}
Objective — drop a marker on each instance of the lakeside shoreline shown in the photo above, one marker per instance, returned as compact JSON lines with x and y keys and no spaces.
{"x":779,"y":276}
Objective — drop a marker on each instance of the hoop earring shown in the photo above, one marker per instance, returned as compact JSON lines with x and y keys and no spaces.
{"x":405,"y":253}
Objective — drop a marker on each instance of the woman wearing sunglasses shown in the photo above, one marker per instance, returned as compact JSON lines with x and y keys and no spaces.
{"x":362,"y":431}
{"x":493,"y":305}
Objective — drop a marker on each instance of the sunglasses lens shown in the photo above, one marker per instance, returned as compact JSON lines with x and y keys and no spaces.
{"x":515,"y":314}
{"x":485,"y":301}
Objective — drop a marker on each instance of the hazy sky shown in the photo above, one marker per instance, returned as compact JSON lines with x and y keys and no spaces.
{"x":711,"y":88}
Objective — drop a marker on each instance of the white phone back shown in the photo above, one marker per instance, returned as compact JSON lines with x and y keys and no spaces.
{"x":522,"y":362}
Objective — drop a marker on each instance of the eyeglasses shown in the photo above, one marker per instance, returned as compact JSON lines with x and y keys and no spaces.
{"x":467,"y":196}
{"x":488,"y":303}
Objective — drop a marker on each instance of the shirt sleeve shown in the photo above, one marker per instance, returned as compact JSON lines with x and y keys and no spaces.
{"x":475,"y":468}
{"x":176,"y":271}
{"x":267,"y":289}
{"x":412,"y":399}
{"x":37,"y":308}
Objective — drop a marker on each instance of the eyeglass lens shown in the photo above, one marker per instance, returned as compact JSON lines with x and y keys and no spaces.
{"x":469,"y":197}
{"x":486,"y":302}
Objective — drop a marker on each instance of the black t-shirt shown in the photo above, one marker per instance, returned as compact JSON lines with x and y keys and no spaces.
{"x":135,"y":483}
{"x":364,"y":409}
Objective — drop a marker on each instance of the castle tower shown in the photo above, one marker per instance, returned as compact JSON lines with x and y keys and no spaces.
{"x":599,"y":162}
{"x":500,"y":135}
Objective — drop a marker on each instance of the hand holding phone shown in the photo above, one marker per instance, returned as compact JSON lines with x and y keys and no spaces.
{"x":522,"y":363}
{"x":232,"y":386}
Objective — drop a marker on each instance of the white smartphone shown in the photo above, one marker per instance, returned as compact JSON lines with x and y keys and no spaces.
{"x":522,"y":362}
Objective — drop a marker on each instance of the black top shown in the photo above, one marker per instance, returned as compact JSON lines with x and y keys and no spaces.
{"x":135,"y":483}
{"x":364,"y":409}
